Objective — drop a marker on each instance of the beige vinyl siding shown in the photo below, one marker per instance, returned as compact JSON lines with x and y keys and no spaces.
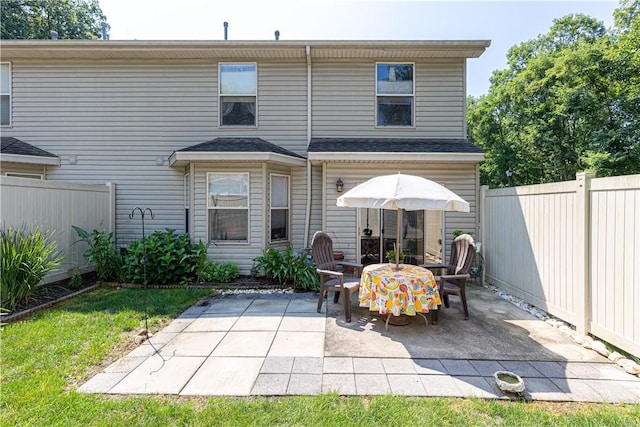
{"x":118,"y":118}
{"x":315,"y":222}
{"x":238,"y":253}
{"x":344,"y":100}
{"x":342,"y":222}
{"x":282,"y":103}
{"x":298,"y":206}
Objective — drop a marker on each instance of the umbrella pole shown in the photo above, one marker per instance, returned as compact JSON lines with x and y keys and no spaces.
{"x":398,"y":228}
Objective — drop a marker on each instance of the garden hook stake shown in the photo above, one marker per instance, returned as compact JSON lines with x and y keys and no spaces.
{"x":144,"y":334}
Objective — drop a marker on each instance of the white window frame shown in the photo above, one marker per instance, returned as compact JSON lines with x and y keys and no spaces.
{"x":403,"y":95}
{"x":288,"y":208}
{"x":220,"y":95}
{"x":9,"y":94}
{"x":248,"y":208}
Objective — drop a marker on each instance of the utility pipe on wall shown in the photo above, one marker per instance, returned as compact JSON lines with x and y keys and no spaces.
{"x":307,"y":219}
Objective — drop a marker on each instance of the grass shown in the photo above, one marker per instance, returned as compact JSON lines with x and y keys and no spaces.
{"x":46,"y":357}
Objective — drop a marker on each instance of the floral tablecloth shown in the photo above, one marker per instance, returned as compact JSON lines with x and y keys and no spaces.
{"x":409,"y":290}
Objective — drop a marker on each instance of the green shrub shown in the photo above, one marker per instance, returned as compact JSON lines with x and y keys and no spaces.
{"x":287,"y":268}
{"x":170,"y":258}
{"x":27,"y":256}
{"x":76,"y":280}
{"x":103,"y":253}
{"x":219,"y":273}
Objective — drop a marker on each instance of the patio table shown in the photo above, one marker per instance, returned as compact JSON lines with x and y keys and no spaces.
{"x":406,"y":291}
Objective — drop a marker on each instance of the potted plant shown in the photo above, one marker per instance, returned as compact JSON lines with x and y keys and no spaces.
{"x":391,"y":255}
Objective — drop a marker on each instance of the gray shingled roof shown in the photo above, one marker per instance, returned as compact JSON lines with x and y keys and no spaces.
{"x":392,"y":145}
{"x":11,"y":145}
{"x":248,"y":145}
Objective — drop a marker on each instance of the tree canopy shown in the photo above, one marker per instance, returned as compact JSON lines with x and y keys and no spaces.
{"x":35,"y":19}
{"x":568,"y":101}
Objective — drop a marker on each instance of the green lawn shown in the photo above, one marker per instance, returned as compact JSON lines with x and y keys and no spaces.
{"x":46,"y":357}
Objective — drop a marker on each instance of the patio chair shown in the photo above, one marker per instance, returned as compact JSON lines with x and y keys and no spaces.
{"x":453,"y":282}
{"x":330,"y":278}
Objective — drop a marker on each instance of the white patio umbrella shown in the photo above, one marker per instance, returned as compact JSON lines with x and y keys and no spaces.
{"x":399,"y":192}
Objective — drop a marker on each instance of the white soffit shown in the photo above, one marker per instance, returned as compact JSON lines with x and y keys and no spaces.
{"x":31,"y":160}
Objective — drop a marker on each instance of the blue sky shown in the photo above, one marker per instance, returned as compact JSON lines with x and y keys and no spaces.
{"x":505,"y":23}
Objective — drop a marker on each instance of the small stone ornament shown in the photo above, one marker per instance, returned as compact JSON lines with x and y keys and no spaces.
{"x":509,"y":382}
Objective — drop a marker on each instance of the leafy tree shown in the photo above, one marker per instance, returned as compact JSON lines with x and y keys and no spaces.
{"x":35,"y":19}
{"x":568,"y":101}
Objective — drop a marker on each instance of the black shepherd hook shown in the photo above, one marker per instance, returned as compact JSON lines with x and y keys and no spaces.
{"x":143,"y":212}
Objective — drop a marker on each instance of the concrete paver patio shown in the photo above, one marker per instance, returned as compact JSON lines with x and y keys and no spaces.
{"x":277,"y":344}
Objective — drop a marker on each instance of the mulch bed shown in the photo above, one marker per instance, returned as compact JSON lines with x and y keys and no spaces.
{"x":49,"y":295}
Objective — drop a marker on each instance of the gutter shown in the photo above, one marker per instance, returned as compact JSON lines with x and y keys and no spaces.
{"x":307,"y":218}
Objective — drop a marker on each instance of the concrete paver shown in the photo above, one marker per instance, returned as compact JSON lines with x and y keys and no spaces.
{"x":240,"y":344}
{"x":459,"y":367}
{"x":428,"y":366}
{"x":159,"y":375}
{"x":192,"y":344}
{"x":271,"y":385}
{"x":522,"y":368}
{"x":305,"y":384}
{"x":298,"y":344}
{"x":399,"y":366}
{"x":224,"y":376}
{"x":406,"y":384}
{"x":102,"y":382}
{"x":307,"y":365}
{"x":368,"y":365}
{"x":338,"y":365}
{"x":278,"y":345}
{"x":339,"y":383}
{"x":210,"y":322}
{"x":277,"y":365}
{"x":486,"y":368}
{"x":372,"y":384}
{"x":440,"y":385}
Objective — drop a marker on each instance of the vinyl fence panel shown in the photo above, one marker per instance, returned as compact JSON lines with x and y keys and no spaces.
{"x":572,"y":249}
{"x":56,"y":206}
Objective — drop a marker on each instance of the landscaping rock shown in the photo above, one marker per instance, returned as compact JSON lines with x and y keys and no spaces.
{"x":566,"y":330}
{"x":629,"y":366}
{"x":600,"y":348}
{"x":614,"y":356}
{"x":587,"y":342}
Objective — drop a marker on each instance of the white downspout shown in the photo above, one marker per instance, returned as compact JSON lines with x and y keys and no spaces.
{"x":307,"y":219}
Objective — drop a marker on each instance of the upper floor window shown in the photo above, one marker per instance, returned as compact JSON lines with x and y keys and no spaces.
{"x":394,"y":94}
{"x":238,"y":94}
{"x":5,"y":94}
{"x":279,"y":207}
{"x":228,"y":207}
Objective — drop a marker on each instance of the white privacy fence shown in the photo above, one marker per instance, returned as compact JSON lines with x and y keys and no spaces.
{"x":56,"y":206}
{"x":571,"y":248}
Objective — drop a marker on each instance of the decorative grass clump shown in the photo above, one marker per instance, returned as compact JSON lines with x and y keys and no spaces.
{"x":27,"y":254}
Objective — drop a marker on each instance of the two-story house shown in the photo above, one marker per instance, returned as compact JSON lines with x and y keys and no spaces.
{"x":247,"y":144}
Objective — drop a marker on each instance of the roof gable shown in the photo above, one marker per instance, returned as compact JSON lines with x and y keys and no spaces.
{"x":16,"y":151}
{"x":227,"y":149}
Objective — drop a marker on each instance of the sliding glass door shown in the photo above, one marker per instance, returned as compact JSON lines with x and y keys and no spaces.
{"x":420,"y":235}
